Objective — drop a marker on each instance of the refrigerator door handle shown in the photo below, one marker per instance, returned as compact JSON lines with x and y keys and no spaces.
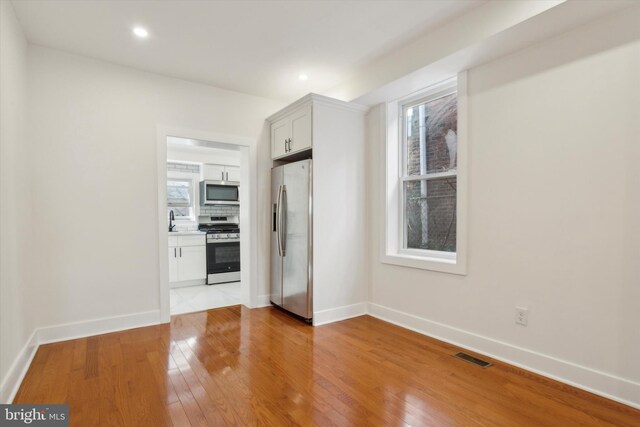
{"x":283,"y":221}
{"x":278,"y":216}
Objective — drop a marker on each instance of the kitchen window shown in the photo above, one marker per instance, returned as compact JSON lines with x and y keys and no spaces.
{"x":425,"y":179}
{"x":180,"y":198}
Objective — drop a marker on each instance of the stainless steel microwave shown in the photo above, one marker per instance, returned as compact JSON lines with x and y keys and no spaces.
{"x":219,"y":193}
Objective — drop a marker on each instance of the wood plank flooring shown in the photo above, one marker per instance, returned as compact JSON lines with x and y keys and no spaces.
{"x":239,"y":367}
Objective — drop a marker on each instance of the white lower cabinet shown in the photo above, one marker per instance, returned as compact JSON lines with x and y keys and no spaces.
{"x":192,"y":264}
{"x":188,"y":259}
{"x":173,"y":264}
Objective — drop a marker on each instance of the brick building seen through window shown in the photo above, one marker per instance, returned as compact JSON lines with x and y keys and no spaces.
{"x":430,"y":178}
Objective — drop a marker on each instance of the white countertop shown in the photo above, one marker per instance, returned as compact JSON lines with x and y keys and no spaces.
{"x":186,"y":233}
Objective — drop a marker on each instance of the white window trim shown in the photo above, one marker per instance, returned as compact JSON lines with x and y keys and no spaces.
{"x":195,"y":196}
{"x":392,"y":251}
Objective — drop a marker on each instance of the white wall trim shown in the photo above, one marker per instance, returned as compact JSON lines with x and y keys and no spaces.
{"x":597,"y":382}
{"x":18,"y":369}
{"x":337,"y":314}
{"x":262,"y":301}
{"x":391,"y":183}
{"x":87,"y":328}
{"x":64,"y":332}
{"x":601,"y":383}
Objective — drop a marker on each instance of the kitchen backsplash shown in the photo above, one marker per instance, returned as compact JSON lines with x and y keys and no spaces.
{"x":209,"y":211}
{"x":220,"y":210}
{"x":182,"y":167}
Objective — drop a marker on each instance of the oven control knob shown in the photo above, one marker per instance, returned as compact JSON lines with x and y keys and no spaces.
{"x":224,"y":236}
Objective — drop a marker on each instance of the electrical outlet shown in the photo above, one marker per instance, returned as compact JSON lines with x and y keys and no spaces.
{"x":522,"y":316}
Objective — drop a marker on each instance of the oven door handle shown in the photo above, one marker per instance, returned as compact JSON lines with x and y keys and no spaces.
{"x":278,"y":225}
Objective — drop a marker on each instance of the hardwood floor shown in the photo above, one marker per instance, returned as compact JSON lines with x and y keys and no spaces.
{"x":235,"y":366}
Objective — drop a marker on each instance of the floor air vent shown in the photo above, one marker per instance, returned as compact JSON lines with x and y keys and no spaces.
{"x":468,"y":358}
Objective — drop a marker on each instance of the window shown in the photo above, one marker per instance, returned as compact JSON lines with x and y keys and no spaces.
{"x":425,"y":179}
{"x":180,"y":198}
{"x":429,"y":144}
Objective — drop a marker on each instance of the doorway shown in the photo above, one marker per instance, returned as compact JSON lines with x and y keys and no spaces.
{"x":195,"y":249}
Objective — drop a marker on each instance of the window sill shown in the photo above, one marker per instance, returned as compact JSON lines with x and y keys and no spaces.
{"x":451,"y":266}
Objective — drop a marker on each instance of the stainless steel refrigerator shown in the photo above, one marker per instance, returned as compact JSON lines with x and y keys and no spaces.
{"x":291,"y":238}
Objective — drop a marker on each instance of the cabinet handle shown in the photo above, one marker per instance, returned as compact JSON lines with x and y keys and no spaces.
{"x":175,"y":254}
{"x":180,"y":252}
{"x":222,"y":173}
{"x":227,"y":176}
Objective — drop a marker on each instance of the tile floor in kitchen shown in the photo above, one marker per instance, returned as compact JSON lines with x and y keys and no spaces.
{"x":204,"y":297}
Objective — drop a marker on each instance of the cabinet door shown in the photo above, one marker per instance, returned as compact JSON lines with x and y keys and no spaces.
{"x":300,"y":130}
{"x":280,"y":132}
{"x":213,"y":172}
{"x":173,"y":264}
{"x":233,"y":173}
{"x":192,"y":263}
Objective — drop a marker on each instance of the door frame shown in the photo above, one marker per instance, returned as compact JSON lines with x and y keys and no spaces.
{"x":248,"y":211}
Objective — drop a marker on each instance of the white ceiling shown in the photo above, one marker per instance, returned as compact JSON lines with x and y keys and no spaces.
{"x":254,"y":47}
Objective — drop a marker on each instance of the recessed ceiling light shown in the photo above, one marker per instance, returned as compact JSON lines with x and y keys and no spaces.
{"x":303,"y":76}
{"x":141,"y":32}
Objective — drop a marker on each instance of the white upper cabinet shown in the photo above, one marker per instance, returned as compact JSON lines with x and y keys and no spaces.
{"x":233,"y":173}
{"x":292,"y":133}
{"x":280,"y":132}
{"x":211,"y":172}
{"x":300,"y":130}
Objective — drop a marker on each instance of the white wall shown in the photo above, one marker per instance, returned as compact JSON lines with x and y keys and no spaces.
{"x":339,"y":214}
{"x":553,"y":214}
{"x":202,"y":155}
{"x":16,"y":294}
{"x":95,"y":142}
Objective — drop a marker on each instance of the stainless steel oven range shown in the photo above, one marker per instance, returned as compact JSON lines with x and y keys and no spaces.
{"x":223,"y":248}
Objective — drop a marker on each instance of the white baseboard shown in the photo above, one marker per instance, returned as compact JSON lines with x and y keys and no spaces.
{"x":64,"y":332}
{"x":591,"y":380}
{"x":597,"y":382}
{"x":262,"y":301}
{"x":70,"y":331}
{"x":18,"y":369}
{"x":176,"y":285}
{"x":339,"y":313}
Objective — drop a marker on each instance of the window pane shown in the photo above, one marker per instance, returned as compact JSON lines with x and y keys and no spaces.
{"x":431,"y":132}
{"x":180,"y":212}
{"x":179,"y":193}
{"x":430,"y":214}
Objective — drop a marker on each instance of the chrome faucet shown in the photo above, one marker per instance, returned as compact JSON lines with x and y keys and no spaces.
{"x":171,"y":219}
